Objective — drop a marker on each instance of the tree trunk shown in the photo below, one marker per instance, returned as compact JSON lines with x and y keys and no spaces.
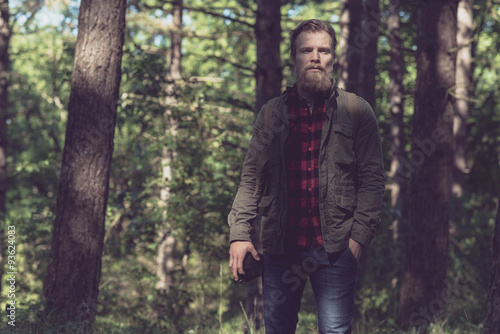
{"x":463,"y":86}
{"x":370,"y":31}
{"x":396,"y":100}
{"x":342,"y":45}
{"x":268,"y":75}
{"x":421,"y":296}
{"x":492,"y":321}
{"x":166,"y":261}
{"x":5,"y":33}
{"x":71,"y":286}
{"x":359,"y":31}
{"x":351,"y":44}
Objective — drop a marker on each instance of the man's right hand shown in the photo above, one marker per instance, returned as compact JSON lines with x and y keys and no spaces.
{"x":237,"y":253}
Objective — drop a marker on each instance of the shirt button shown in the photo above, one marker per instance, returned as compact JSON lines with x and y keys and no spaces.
{"x":310,"y":128}
{"x":309,"y":169}
{"x":309,"y":189}
{"x":309,"y":148}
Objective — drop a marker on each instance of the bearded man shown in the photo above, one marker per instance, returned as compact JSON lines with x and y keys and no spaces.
{"x":314,"y":171}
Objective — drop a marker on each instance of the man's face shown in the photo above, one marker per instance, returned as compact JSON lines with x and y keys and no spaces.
{"x":314,"y":62}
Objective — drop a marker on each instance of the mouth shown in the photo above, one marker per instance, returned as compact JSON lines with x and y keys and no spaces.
{"x":314,"y":69}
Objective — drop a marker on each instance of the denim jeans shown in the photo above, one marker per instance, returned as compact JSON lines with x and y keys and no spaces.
{"x":332,"y":279}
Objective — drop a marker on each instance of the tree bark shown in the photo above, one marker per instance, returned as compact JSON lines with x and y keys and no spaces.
{"x":268,"y":76}
{"x":424,"y":278}
{"x":492,"y":321}
{"x":396,"y":100}
{"x":268,"y":73}
{"x":5,"y":33}
{"x":359,"y":31}
{"x":351,"y":44}
{"x":166,"y":261}
{"x":370,"y":31}
{"x":465,"y":27}
{"x":71,"y":286}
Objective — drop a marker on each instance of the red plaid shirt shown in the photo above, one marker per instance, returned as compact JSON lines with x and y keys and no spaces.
{"x":303,"y":145}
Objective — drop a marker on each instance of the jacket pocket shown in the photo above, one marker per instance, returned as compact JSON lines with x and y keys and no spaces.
{"x":344,"y":168}
{"x":345,"y":197}
{"x":343,"y":143}
{"x":344,"y":186}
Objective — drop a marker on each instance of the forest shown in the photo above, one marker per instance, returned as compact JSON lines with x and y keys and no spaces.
{"x":124,"y":126}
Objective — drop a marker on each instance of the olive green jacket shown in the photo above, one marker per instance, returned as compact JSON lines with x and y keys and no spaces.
{"x":351,"y":175}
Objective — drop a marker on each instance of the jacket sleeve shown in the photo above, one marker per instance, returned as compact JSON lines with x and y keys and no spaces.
{"x":245,"y":205}
{"x":370,"y":177}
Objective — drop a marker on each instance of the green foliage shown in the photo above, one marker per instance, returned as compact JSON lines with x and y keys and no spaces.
{"x":214,"y":112}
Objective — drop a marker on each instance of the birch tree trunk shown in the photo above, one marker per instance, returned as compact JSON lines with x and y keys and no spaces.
{"x":166,"y":261}
{"x":71,"y":285}
{"x":465,"y":29}
{"x":396,"y":100}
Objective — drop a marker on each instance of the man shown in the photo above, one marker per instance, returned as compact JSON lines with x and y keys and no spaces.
{"x":315,"y":169}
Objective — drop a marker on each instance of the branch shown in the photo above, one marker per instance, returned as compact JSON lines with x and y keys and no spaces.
{"x":214,"y":37}
{"x":239,"y":104}
{"x":224,"y":60}
{"x":234,"y":146}
{"x":204,"y":11}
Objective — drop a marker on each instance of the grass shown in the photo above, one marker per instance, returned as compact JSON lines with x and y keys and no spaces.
{"x":27,"y":322}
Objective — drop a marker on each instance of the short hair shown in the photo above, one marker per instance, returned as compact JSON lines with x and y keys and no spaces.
{"x":311,"y":26}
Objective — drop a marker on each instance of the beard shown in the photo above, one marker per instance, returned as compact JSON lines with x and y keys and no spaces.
{"x":317,"y":83}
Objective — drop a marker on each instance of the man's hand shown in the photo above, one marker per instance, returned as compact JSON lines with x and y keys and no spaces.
{"x":356,"y":249}
{"x":237,"y":253}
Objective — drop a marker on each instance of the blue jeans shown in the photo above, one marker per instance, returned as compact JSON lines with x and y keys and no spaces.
{"x":332,"y":279}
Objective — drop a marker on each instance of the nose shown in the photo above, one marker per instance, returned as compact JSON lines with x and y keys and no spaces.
{"x":315,"y":56}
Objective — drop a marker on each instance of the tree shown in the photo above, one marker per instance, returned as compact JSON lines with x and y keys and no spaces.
{"x":71,"y":285}
{"x":359,"y":31}
{"x":370,"y":30}
{"x":214,"y":103}
{"x":349,"y":55}
{"x":492,"y":321}
{"x":166,"y":257}
{"x":5,"y":33}
{"x":431,"y":161}
{"x":396,"y":100}
{"x":465,"y":28}
{"x":268,"y":76}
